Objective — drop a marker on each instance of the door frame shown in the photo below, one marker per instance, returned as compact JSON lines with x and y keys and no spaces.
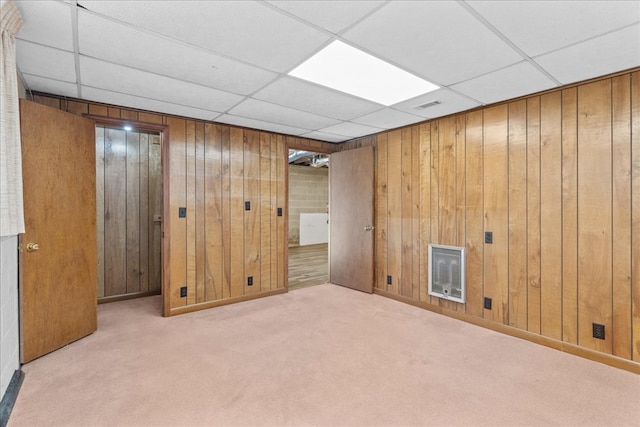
{"x":291,"y":144}
{"x":163,"y":130}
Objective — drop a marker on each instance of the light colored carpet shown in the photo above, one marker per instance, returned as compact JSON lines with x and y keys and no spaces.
{"x":322,"y":355}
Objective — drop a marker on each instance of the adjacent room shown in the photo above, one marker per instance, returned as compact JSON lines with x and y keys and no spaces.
{"x":376,"y":212}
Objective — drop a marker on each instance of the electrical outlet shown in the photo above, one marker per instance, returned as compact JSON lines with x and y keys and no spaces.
{"x":488,"y":237}
{"x":250,"y":281}
{"x":183,"y":292}
{"x":279,"y":211}
{"x":487,"y":303}
{"x":247,"y":206}
{"x":598,"y":331}
{"x":182,"y":212}
{"x":389,"y":280}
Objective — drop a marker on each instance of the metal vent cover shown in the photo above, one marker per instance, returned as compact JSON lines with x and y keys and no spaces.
{"x":447,"y":272}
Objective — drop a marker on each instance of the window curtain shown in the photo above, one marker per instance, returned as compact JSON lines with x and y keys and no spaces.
{"x":11,"y":206}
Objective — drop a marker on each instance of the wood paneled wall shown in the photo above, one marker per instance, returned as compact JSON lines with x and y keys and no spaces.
{"x":129,"y":211}
{"x":556,"y":178}
{"x":213,"y":170}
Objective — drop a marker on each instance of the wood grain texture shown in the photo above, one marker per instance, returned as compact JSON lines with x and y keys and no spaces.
{"x":496,"y":208}
{"x":177,"y":227}
{"x":226,"y":202}
{"x":551,"y":215}
{"x":594,"y":213}
{"x":282,"y":199}
{"x":415,"y":211}
{"x":570,"y":216}
{"x":474,"y":170}
{"x":381,"y":212}
{"x":213,"y":194}
{"x":635,"y":213}
{"x":58,"y":302}
{"x":434,"y":215}
{"x":200,"y":212}
{"x":236,"y":177}
{"x":252,"y":216}
{"x":406,"y":261}
{"x":533,"y":215}
{"x":145,"y":221}
{"x":132,"y":209}
{"x":266,"y":212}
{"x":518,"y":214}
{"x":621,"y":217}
{"x":100,"y":237}
{"x":394,"y":209}
{"x":424,"y":144}
{"x":351,"y":212}
{"x":190,"y":190}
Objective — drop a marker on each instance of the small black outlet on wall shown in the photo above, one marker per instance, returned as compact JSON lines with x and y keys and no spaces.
{"x":279,"y":211}
{"x":598,"y":331}
{"x":247,"y":206}
{"x":487,"y":303}
{"x":389,"y":280}
{"x":183,"y":292}
{"x":488,"y":237}
{"x":182,"y":212}
{"x":250,"y":281}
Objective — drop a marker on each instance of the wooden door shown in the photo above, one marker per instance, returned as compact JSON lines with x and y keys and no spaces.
{"x":58,"y":277}
{"x":351,"y":219}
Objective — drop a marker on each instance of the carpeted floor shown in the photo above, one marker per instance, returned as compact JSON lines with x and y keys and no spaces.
{"x":322,"y":355}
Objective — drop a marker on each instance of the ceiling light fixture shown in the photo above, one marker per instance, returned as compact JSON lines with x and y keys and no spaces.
{"x":347,"y":69}
{"x":127,"y":128}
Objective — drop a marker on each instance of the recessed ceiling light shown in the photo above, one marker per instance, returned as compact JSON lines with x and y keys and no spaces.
{"x":347,"y":69}
{"x":127,"y":128}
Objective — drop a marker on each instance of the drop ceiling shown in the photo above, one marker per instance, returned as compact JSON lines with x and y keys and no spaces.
{"x":228,"y":61}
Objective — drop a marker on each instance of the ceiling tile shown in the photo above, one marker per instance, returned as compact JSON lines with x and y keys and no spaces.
{"x":537,"y":27}
{"x":260,"y":110}
{"x":36,"y":59}
{"x":315,"y":99}
{"x":389,"y":119}
{"x":334,"y":17}
{"x":450,"y":102}
{"x":246,"y":30}
{"x":324,"y":136}
{"x":111,"y":41}
{"x":351,"y":130}
{"x":116,"y":78}
{"x":511,"y":82}
{"x":43,"y":84}
{"x":108,"y":97}
{"x":437,"y":40}
{"x":47,"y":23}
{"x":259,"y":124}
{"x":613,"y":52}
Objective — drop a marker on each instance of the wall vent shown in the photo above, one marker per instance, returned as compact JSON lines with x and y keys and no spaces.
{"x":447,"y":272}
{"x":427,"y":105}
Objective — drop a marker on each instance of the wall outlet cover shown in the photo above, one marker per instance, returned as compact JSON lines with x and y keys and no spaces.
{"x":487,"y":303}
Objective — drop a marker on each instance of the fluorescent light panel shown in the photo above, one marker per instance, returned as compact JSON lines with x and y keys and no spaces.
{"x":347,"y":69}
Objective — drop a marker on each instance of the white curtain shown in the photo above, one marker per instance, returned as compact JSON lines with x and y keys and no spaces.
{"x":11,"y":207}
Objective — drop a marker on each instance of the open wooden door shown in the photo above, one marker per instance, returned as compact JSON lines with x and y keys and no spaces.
{"x":351,"y":233}
{"x":58,"y":251}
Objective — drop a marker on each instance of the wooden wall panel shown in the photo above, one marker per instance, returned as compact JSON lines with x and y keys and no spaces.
{"x":496,"y":208}
{"x":100,"y":164}
{"x":144,"y":219}
{"x":212,"y":190}
{"x":594,"y":213}
{"x":190,"y":178}
{"x":177,"y":198}
{"x":533,"y":215}
{"x":474,"y":170}
{"x":394,"y":209}
{"x":621,"y":216}
{"x":570,"y":216}
{"x":518,"y":214}
{"x":265,"y":211}
{"x":406,"y":261}
{"x":635,"y":213}
{"x":425,"y":206}
{"x":551,"y":215}
{"x":434,"y":203}
{"x":381,"y":212}
{"x":236,"y":167}
{"x":252,"y":216}
{"x":132,"y":209}
{"x":281,"y":191}
{"x":200,"y":213}
{"x":415,"y":212}
{"x":115,"y":212}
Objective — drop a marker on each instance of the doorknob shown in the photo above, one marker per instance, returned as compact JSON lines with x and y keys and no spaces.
{"x":368,"y":227}
{"x":32,"y":247}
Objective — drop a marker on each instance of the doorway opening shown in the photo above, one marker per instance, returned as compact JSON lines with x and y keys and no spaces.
{"x":128,"y":212}
{"x":308,"y":219}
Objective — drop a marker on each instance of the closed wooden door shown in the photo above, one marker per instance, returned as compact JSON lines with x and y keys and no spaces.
{"x":58,"y":249}
{"x":129,"y":194}
{"x":351,"y":219}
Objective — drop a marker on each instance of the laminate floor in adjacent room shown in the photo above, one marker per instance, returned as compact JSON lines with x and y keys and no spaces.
{"x":308,"y":265}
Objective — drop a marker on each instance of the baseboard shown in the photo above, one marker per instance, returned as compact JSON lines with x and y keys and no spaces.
{"x":10,"y":397}
{"x":607,"y":359}
{"x":218,"y":303}
{"x":124,"y":297}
